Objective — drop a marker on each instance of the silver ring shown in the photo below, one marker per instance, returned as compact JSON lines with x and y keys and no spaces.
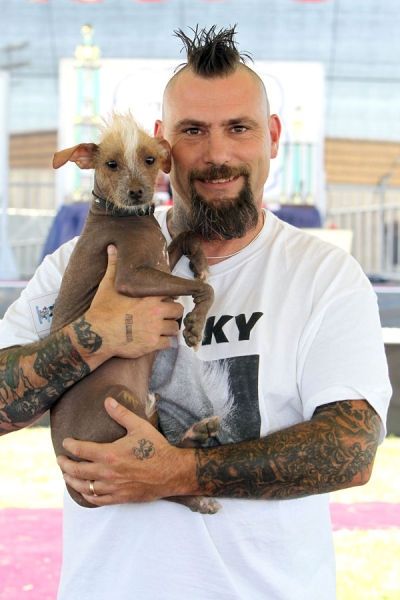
{"x":91,"y":488}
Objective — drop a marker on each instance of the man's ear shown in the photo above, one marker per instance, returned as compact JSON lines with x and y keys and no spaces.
{"x":166,"y":148}
{"x":158,"y":129}
{"x":275,"y":128}
{"x":165,"y":155}
{"x":82,"y":155}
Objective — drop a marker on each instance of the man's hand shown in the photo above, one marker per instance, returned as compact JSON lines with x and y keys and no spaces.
{"x":332,"y":451}
{"x":34,"y":376}
{"x":129,"y":327}
{"x":141,"y":466}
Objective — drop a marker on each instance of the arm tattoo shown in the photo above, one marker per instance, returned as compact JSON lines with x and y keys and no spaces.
{"x":34,"y":376}
{"x":334,"y":450}
{"x":129,"y":328}
{"x":87,"y":338}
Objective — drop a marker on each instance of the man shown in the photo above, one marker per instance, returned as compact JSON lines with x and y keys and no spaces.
{"x":292,"y":360}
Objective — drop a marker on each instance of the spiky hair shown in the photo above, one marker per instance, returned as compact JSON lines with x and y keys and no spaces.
{"x":211,"y":53}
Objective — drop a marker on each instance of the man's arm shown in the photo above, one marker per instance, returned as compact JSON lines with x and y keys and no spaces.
{"x":34,"y":376}
{"x":334,"y":450}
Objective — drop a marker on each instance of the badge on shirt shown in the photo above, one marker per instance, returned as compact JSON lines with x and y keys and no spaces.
{"x":42,"y":313}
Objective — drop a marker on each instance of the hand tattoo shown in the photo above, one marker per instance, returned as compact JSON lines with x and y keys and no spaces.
{"x":144,"y":450}
{"x":129,"y":327}
{"x":334,"y":450}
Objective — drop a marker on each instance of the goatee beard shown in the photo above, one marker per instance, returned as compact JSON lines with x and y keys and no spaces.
{"x":232,"y":218}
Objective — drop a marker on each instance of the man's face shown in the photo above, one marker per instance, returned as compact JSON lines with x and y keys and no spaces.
{"x":222,"y":139}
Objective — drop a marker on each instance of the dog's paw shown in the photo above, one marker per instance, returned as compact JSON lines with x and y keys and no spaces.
{"x":200,"y":432}
{"x":193,"y":330}
{"x":205,"y":506}
{"x":200,"y":272}
{"x":191,"y":340}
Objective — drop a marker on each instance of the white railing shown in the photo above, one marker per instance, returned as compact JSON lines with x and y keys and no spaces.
{"x":372,"y":214}
{"x":27,"y":254}
{"x":376,"y":235}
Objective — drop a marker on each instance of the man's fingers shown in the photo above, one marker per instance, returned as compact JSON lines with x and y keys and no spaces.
{"x":105,"y":500}
{"x":166,"y":342}
{"x":120,"y":414}
{"x":173,"y":310}
{"x":83,"y":486}
{"x":111,"y":262}
{"x":90,"y":451}
{"x":170,"y":327}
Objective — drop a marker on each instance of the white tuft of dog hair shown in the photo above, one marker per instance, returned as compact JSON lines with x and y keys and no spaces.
{"x":123,"y":131}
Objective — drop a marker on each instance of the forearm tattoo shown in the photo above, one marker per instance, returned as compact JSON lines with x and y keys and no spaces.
{"x":87,"y":338}
{"x":34,"y":376}
{"x":334,"y":450}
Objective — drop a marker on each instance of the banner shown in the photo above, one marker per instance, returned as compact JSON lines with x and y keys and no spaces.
{"x":295,"y":89}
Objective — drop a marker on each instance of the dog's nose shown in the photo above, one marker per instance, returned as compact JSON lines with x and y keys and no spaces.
{"x":136,"y":194}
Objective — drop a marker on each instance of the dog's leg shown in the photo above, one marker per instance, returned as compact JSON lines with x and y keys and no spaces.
{"x":189,"y":244}
{"x":195,"y":437}
{"x":195,"y":320}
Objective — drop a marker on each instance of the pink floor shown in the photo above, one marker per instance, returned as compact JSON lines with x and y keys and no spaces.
{"x":30,"y":544}
{"x":30,"y":553}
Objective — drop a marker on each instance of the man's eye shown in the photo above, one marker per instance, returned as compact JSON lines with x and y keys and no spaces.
{"x":192,"y":131}
{"x":149,"y":160}
{"x":239,"y":128}
{"x":112,"y":164}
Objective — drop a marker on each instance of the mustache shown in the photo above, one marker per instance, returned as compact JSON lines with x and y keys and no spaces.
{"x":218,"y":172}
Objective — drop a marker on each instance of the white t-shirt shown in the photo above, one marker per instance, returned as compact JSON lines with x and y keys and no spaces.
{"x":294,"y":325}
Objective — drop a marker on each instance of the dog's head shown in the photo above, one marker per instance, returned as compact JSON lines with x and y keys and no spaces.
{"x":126,"y":162}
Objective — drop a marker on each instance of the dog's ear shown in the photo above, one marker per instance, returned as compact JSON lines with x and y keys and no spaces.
{"x":165,"y":154}
{"x":82,"y":155}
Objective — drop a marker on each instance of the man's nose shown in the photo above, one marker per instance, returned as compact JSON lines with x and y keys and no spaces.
{"x":217,"y":151}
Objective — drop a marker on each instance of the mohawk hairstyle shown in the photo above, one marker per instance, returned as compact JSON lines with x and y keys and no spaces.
{"x":211,"y":53}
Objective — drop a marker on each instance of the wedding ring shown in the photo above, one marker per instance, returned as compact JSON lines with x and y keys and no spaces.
{"x":91,"y":488}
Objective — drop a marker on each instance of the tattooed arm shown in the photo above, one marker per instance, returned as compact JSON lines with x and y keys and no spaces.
{"x":34,"y":376}
{"x":334,"y":450}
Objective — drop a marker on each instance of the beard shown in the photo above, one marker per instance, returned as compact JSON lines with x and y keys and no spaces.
{"x":232,"y":218}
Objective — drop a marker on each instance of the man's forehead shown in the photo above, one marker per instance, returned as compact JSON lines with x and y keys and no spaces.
{"x":225,"y":122}
{"x":187,"y":90}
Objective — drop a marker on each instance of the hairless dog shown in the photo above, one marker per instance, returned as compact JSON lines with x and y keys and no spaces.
{"x":126,"y":163}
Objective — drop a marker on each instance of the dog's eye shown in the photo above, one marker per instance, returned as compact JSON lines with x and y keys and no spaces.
{"x":149,"y":160}
{"x":112,"y":164}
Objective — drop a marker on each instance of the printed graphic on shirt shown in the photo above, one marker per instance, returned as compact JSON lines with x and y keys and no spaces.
{"x":42,"y":313}
{"x":190,"y":389}
{"x":215,"y":328}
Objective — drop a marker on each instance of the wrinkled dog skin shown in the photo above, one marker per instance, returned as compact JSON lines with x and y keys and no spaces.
{"x":126,"y":163}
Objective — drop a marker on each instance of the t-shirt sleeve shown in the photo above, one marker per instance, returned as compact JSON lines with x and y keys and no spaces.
{"x":343,"y":356}
{"x":29,"y":317}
